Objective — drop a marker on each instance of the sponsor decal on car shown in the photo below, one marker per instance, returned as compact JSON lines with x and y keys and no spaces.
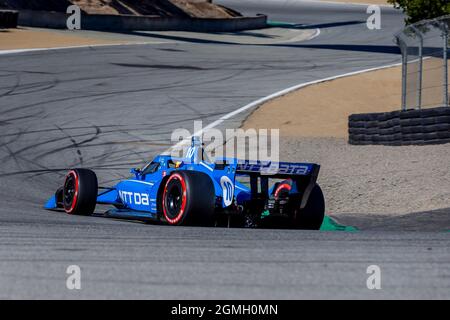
{"x":136,"y":198}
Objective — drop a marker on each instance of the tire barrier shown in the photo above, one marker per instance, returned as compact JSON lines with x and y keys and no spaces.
{"x":8,"y":18}
{"x":398,"y":128}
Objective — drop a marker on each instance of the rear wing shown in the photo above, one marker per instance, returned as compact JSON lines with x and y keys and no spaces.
{"x":277,"y":169}
{"x":303,"y":175}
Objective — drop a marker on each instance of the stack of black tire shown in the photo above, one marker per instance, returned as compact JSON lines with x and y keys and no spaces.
{"x":397,"y":128}
{"x":8,"y":18}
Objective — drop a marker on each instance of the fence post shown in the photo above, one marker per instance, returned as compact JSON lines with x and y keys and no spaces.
{"x":404,"y":79}
{"x":420,"y":71}
{"x":445,"y":47}
{"x":404,"y":50}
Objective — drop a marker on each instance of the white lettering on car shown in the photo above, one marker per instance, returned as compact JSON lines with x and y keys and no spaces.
{"x":134,"y":198}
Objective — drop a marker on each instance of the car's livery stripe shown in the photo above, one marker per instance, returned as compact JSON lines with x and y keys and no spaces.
{"x":206,"y":166}
{"x":241,"y":188}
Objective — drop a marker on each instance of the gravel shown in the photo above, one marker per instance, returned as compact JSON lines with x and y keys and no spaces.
{"x":376,"y":180}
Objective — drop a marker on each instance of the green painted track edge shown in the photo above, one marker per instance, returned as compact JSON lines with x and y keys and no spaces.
{"x":280,"y":24}
{"x":329,"y":224}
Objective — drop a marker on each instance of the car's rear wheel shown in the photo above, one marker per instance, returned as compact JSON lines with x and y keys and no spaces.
{"x":80,"y":192}
{"x":312,"y":215}
{"x":188,"y":199}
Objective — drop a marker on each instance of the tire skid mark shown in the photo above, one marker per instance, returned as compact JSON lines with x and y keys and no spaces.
{"x":109,"y":166}
{"x":14,"y":138}
{"x":130,"y":91}
{"x":74,"y":144}
{"x":13,"y":88}
{"x":129,"y":134}
{"x":31,"y":85}
{"x":35,"y":145}
{"x":11,"y":154}
{"x":25,"y":72}
{"x":43,"y":168}
{"x":61,"y":171}
{"x":100,"y":159}
{"x":116,"y":155}
{"x":187,"y":106}
{"x":133,"y":142}
{"x":10,"y":121}
{"x":169,"y":123}
{"x":35,"y":88}
{"x":65,"y":128}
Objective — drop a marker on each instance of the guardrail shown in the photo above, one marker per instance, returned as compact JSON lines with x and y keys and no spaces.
{"x":57,"y":20}
{"x":8,"y":18}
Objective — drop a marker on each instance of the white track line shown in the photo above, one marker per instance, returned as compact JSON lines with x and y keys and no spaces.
{"x":315,"y":35}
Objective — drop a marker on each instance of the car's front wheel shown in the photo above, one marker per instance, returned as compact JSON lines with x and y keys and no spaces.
{"x":79,"y":194}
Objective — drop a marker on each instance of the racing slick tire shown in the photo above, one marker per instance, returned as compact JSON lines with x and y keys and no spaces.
{"x":312,"y":215}
{"x":80,"y":192}
{"x":188,"y":199}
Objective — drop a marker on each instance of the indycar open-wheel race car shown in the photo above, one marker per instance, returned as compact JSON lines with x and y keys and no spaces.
{"x":193,"y":191}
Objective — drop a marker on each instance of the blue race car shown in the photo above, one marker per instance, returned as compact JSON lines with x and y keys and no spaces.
{"x":193,"y":191}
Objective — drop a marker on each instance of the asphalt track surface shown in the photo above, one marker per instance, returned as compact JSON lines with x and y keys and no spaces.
{"x":113,"y":108}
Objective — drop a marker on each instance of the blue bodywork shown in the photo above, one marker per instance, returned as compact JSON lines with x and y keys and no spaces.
{"x":137,"y":197}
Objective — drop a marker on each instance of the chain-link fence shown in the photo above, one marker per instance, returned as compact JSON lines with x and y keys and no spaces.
{"x":424,"y":46}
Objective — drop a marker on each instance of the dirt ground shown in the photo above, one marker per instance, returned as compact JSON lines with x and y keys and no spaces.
{"x":375,"y":180}
{"x":323,"y":109}
{"x":202,"y":9}
{"x":30,"y":38}
{"x":163,"y":8}
{"x":24,"y":38}
{"x":433,"y":82}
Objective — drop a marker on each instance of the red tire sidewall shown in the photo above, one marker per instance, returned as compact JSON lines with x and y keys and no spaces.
{"x":74,"y":174}
{"x":180,"y":215}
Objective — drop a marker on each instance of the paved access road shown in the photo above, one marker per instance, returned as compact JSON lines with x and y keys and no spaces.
{"x":113,"y":108}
